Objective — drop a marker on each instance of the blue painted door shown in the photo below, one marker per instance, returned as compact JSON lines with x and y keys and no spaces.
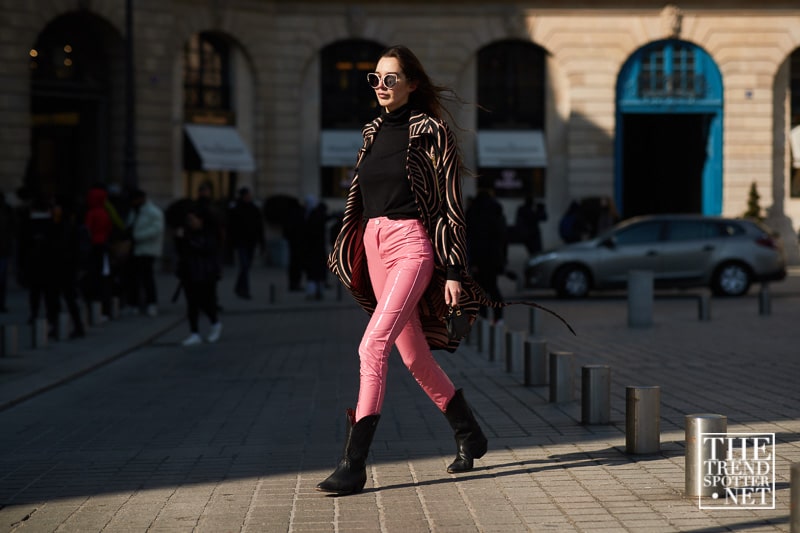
{"x":669,"y":112}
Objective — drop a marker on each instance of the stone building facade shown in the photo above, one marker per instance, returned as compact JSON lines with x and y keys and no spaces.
{"x":733,"y":124}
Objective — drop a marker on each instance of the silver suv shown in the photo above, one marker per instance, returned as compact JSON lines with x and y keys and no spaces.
{"x":725,"y":254}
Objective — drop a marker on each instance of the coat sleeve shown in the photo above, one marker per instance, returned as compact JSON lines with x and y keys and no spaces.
{"x":449,"y":181}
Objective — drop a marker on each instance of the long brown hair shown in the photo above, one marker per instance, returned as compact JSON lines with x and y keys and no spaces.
{"x":427,"y":97}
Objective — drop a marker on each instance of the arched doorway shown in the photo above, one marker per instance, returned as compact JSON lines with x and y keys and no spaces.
{"x":669,"y":131}
{"x":76,"y":69}
{"x":512,"y":155}
{"x":347,"y":103}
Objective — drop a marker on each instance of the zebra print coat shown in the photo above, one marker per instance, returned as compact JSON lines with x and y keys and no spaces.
{"x":433,"y":167}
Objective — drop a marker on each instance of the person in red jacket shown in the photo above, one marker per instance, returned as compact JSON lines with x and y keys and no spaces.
{"x":98,"y":223}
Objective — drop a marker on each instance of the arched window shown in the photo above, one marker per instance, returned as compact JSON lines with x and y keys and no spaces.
{"x":671,"y":70}
{"x":69,"y":59}
{"x":348,"y":102}
{"x":76,"y":86}
{"x":347,"y":99}
{"x":511,"y":84}
{"x":206,"y":73}
{"x":512,"y":156}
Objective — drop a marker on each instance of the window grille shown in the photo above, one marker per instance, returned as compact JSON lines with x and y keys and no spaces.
{"x":671,"y":70}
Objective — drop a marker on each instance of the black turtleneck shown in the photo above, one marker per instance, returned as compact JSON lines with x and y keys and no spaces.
{"x":382,"y":174}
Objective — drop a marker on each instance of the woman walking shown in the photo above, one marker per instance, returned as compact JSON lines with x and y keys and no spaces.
{"x":402,"y":254}
{"x":199,"y":272}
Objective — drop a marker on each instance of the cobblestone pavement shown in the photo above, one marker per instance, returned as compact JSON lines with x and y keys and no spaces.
{"x":234,"y":436}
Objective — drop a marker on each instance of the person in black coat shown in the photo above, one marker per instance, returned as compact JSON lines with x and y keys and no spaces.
{"x":246,"y":234}
{"x":294,"y":233}
{"x":487,"y":246}
{"x":72,"y":246}
{"x":316,"y":249}
{"x":529,"y":214}
{"x":38,"y":263}
{"x":199,"y":272}
{"x":7,"y":229}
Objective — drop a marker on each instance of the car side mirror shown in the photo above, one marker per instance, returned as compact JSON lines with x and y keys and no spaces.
{"x":608,"y":242}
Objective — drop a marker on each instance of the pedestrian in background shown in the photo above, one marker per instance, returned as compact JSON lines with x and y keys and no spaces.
{"x":487,"y":247}
{"x":120,"y":246}
{"x":214,"y":215}
{"x":315,"y":247}
{"x":199,"y":271}
{"x":99,"y":224}
{"x":402,"y":251}
{"x":72,"y":247}
{"x":572,"y":226}
{"x":146,"y":227}
{"x":246,"y":234}
{"x":38,"y":262}
{"x":7,"y":230}
{"x":293,"y":232}
{"x":526,"y":224}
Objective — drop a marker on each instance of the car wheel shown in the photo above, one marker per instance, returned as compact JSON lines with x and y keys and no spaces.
{"x":731,"y":279}
{"x":572,"y":282}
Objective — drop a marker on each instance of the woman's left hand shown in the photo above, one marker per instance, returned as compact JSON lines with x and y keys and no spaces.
{"x":452,"y":292}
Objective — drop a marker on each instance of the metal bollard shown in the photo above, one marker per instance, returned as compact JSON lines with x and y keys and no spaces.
{"x":96,"y":313}
{"x":643,"y":419}
{"x":535,"y":362}
{"x":698,"y":451}
{"x":490,"y":346}
{"x":496,"y":342}
{"x":39,"y":333}
{"x":513,"y":350}
{"x":764,"y":300}
{"x":595,"y":394}
{"x":704,"y":307}
{"x":533,"y":321}
{"x":562,"y":385}
{"x":794,"y":502}
{"x":10,"y":339}
{"x":640,"y":298}
{"x":484,"y":335}
{"x":63,"y":326}
{"x":115,"y":308}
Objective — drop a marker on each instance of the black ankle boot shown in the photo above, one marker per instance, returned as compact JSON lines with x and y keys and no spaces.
{"x":471,"y":443}
{"x":350,"y":475}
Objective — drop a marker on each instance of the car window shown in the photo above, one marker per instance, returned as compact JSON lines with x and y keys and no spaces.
{"x":689,"y":230}
{"x":731,"y":228}
{"x":639,"y":233}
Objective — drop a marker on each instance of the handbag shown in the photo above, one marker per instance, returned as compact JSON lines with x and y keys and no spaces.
{"x":457,"y":322}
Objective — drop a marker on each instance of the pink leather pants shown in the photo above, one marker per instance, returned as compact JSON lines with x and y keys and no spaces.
{"x":400,"y":262}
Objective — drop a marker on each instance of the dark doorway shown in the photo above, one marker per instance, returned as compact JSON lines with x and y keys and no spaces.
{"x":663,"y":160}
{"x":73,"y":66}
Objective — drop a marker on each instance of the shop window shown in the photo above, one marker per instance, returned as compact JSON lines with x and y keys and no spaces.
{"x":511,"y":84}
